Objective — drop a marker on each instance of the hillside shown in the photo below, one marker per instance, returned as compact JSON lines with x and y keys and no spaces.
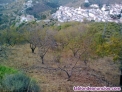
{"x":6,"y":1}
{"x":41,"y":7}
{"x":105,"y":1}
{"x":66,"y":56}
{"x":77,"y":3}
{"x":46,"y":55}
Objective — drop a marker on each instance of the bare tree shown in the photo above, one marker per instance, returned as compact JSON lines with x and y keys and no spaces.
{"x":69,"y":72}
{"x":74,"y":46}
{"x":33,"y":40}
{"x":86,"y":52}
{"x":32,"y":35}
{"x":68,"y":69}
{"x":45,"y":42}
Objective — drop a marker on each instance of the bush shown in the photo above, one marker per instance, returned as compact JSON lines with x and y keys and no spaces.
{"x":19,"y":83}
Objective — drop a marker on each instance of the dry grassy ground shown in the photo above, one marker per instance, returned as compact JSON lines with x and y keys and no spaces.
{"x":101,"y":72}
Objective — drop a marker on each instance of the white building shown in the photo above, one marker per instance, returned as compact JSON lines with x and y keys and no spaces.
{"x":86,"y":1}
{"x":26,"y":18}
{"x":65,"y":14}
{"x":94,"y":6}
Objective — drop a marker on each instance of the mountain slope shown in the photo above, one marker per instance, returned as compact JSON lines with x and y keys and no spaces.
{"x":78,"y":3}
{"x":6,"y":1}
{"x":41,"y":10}
{"x":41,"y":7}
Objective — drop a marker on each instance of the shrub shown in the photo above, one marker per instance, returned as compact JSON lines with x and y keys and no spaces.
{"x":19,"y":83}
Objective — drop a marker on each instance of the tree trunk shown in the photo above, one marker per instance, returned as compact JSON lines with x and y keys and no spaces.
{"x":32,"y":49}
{"x":8,"y":41}
{"x":42,"y":58}
{"x":85,"y":61}
{"x":0,"y":48}
{"x":121,"y":78}
{"x":74,"y":53}
{"x":69,"y":76}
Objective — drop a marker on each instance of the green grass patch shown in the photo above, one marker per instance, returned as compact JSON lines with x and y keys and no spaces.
{"x":6,"y":70}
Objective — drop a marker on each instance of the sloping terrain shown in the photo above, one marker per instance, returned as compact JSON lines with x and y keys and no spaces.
{"x":52,"y":79}
{"x":41,"y":7}
{"x":105,"y":1}
{"x":6,"y":1}
{"x":78,"y":3}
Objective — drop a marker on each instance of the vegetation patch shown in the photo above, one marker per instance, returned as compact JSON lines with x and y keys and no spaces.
{"x":19,"y":83}
{"x":6,"y":70}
